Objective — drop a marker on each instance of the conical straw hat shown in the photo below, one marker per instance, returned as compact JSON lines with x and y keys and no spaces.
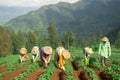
{"x":47,"y":49}
{"x":59,"y":50}
{"x":105,"y":39}
{"x":89,"y":50}
{"x":23,"y":50}
{"x":66,"y":54}
{"x":35,"y":50}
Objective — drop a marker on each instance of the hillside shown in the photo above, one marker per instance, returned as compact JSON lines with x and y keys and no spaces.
{"x":83,"y":17}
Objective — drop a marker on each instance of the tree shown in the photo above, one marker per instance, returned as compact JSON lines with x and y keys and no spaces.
{"x":117,"y":41}
{"x":68,"y":39}
{"x":18,"y":41}
{"x":52,"y":35}
{"x":32,"y":39}
{"x":4,"y":42}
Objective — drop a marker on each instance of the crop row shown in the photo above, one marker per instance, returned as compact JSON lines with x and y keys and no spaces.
{"x":29,"y":69}
{"x":69,"y":71}
{"x":48,"y":72}
{"x":12,"y":67}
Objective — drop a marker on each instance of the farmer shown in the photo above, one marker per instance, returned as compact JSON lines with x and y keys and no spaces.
{"x":35,"y":53}
{"x":45,"y":55}
{"x":104,"y":49}
{"x":23,"y":54}
{"x":87,"y":52}
{"x":60,"y":55}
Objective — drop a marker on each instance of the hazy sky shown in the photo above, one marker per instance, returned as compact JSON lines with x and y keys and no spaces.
{"x":31,"y":3}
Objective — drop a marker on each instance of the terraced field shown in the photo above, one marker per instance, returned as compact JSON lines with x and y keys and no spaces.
{"x":11,"y":69}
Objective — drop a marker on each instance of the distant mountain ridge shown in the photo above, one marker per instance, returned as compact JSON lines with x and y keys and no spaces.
{"x":84,"y":18}
{"x":7,"y":13}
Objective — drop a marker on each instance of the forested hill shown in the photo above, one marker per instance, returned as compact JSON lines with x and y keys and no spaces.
{"x":83,"y":17}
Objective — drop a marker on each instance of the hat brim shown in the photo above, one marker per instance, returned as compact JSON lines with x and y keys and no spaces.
{"x":23,"y":51}
{"x":89,"y":51}
{"x":66,"y":54}
{"x":47,"y":50}
{"x":105,"y":39}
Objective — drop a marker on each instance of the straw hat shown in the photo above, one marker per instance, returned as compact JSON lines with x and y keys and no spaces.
{"x":35,"y":50}
{"x":59,"y":50}
{"x":105,"y":39}
{"x":23,"y":50}
{"x":47,"y":50}
{"x":89,"y":50}
{"x":66,"y":54}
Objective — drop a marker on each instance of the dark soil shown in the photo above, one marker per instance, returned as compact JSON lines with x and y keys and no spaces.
{"x":55,"y":75}
{"x":62,"y":76}
{"x":3,"y":69}
{"x":79,"y":73}
{"x":35,"y":74}
{"x":97,"y":72}
{"x":84,"y":76}
{"x":118,"y":71}
{"x":75,"y":65}
{"x":91,"y":66}
{"x":14,"y":73}
{"x":105,"y":76}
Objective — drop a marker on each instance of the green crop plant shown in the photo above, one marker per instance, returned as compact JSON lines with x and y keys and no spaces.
{"x":115,"y":67}
{"x":68,"y":68}
{"x":10,"y":68}
{"x":91,"y":73}
{"x":111,"y":70}
{"x":30,"y":68}
{"x":48,"y":72}
{"x":97,"y":65}
{"x":70,"y":78}
{"x":69,"y":71}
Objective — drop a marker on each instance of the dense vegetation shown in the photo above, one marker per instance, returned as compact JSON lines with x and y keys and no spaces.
{"x":11,"y":42}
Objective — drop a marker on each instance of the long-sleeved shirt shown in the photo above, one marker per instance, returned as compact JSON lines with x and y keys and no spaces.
{"x":44,"y":56}
{"x":104,"y":49}
{"x":59,"y":57}
{"x":60,"y":61}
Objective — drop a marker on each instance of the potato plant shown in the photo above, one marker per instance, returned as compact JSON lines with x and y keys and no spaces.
{"x":29,"y":69}
{"x":48,"y":72}
{"x":10,"y":68}
{"x":69,"y":71}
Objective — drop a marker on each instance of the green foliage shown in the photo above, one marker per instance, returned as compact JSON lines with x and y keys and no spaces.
{"x":48,"y":71}
{"x":4,"y":42}
{"x":52,"y":35}
{"x":68,"y":71}
{"x":18,"y":41}
{"x":110,"y":71}
{"x":68,"y":39}
{"x":91,"y":73}
{"x":116,"y":62}
{"x":10,"y":67}
{"x":70,"y":78}
{"x":115,"y":67}
{"x":30,"y":68}
{"x":95,"y":47}
{"x":32,"y":40}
